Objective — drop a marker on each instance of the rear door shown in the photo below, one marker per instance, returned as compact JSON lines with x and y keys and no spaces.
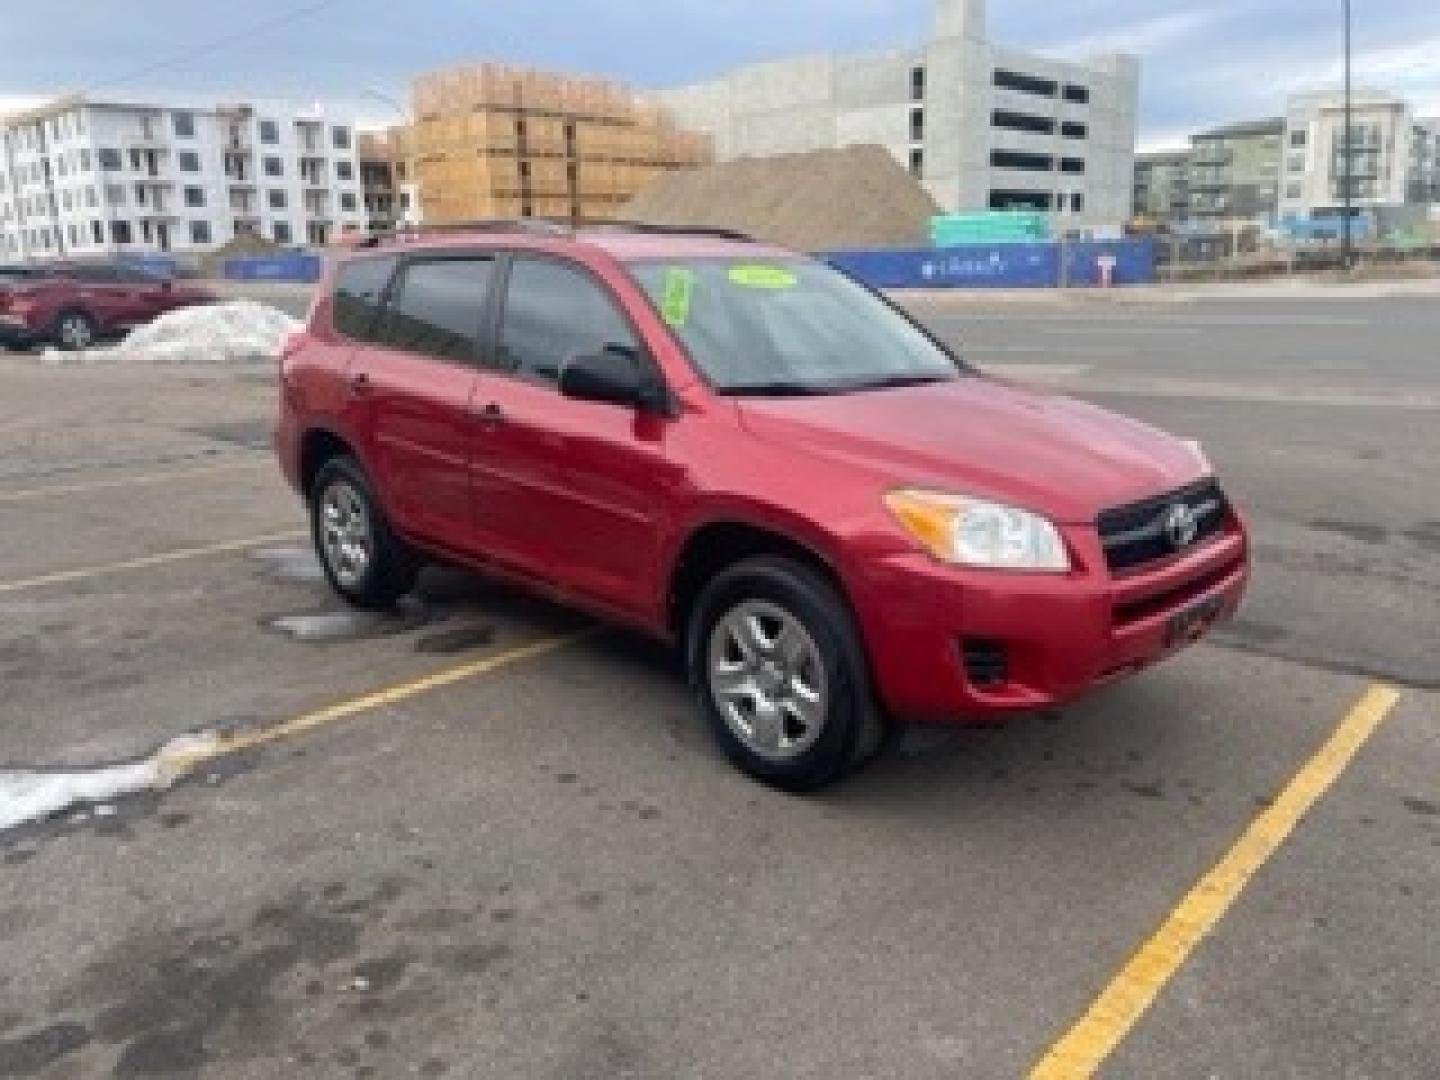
{"x":99,"y":292}
{"x":574,"y":487}
{"x":410,"y":394}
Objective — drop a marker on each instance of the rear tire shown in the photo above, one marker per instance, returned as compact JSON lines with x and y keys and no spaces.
{"x":74,"y":331}
{"x":364,"y":561}
{"x":781,"y":676}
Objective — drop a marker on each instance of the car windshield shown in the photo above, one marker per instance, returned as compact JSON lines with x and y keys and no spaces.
{"x":788,"y":326}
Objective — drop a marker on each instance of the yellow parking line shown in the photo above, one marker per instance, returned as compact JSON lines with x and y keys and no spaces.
{"x":25,"y":494}
{"x":82,"y":573}
{"x":178,"y":763}
{"x":1082,"y":1049}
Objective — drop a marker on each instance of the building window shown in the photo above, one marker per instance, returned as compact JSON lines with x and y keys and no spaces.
{"x":120,"y":231}
{"x":1293,"y":191}
{"x":184,"y":125}
{"x":137,"y":160}
{"x":344,"y":170}
{"x":1299,"y":137}
{"x":1025,"y":84}
{"x":1074,"y":166}
{"x":1080,"y":95}
{"x":347,"y":202}
{"x":1015,"y":159}
{"x":189,"y":161}
{"x":917,"y":84}
{"x":274,"y":167}
{"x":1020,"y":200}
{"x":277,"y":199}
{"x":917,"y":164}
{"x":340,"y":138}
{"x":97,"y":232}
{"x":269,"y":132}
{"x":194,"y":196}
{"x":281,"y":231}
{"x":84,"y":161}
{"x":115,"y":194}
{"x":917,"y":125}
{"x":1077,"y":202}
{"x":140,"y":195}
{"x":199,"y":232}
{"x":110,"y":159}
{"x":90,"y":200}
{"x":1073,"y":130}
{"x":1013,"y":121}
{"x":1296,"y":163}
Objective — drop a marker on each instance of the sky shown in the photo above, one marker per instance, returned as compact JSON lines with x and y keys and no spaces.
{"x":1204,"y":62}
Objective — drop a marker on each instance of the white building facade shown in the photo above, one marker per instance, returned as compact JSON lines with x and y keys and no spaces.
{"x":982,"y":127}
{"x":83,"y":178}
{"x":1382,"y":153}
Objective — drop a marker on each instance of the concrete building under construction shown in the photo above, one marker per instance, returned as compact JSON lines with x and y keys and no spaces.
{"x":490,"y":141}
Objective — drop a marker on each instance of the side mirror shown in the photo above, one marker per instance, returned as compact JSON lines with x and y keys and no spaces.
{"x":615,"y":374}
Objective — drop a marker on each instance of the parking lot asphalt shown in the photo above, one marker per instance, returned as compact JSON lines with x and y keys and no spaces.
{"x":536,"y":864}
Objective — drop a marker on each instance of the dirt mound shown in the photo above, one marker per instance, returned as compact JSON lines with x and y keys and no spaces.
{"x":823,"y":200}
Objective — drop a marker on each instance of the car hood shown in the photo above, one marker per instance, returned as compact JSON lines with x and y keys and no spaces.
{"x":980,"y":436}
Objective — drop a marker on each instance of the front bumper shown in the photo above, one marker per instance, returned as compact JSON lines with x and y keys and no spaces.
{"x":17,"y":335}
{"x":1059,"y":635}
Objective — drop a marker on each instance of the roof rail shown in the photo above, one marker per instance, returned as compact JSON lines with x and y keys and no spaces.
{"x":539,"y":226}
{"x":623,"y":225}
{"x":530,"y":226}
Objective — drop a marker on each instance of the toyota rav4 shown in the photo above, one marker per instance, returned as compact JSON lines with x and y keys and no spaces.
{"x":740,"y":451}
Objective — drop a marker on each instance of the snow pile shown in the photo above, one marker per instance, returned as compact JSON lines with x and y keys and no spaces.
{"x":34,"y":796}
{"x":236,"y":332}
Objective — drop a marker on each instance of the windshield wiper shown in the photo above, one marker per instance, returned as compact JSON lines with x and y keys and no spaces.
{"x":893,"y":382}
{"x":776,"y":389}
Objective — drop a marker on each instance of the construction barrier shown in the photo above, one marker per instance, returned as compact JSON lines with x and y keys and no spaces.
{"x":164,"y":266}
{"x":1003,"y":266}
{"x":291,"y":266}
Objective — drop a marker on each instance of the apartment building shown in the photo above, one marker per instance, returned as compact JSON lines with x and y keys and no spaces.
{"x":1382,"y":134}
{"x":1234,"y":174}
{"x":86,"y":178}
{"x":982,"y":126}
{"x":387,"y":179}
{"x":1162,"y":187}
{"x":1425,"y":163}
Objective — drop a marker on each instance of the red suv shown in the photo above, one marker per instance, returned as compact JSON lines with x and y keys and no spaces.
{"x":743,"y":452}
{"x":73,"y":304}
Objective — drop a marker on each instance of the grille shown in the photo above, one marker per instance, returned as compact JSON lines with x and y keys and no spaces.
{"x":1137,"y":534}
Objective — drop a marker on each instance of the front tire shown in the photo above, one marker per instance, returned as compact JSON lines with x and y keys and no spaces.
{"x":364,"y":561}
{"x":74,"y":331}
{"x":780,"y":674}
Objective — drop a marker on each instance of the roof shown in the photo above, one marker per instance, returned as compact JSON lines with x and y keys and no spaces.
{"x":1272,"y":125}
{"x":620,"y":241}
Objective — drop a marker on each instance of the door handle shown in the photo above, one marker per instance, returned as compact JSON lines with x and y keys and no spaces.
{"x":491,"y":414}
{"x":359,"y":383}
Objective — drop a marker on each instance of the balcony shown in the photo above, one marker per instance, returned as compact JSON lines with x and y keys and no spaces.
{"x":1212,"y":155}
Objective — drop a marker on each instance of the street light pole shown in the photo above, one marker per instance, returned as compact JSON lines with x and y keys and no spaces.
{"x":1348,"y":168}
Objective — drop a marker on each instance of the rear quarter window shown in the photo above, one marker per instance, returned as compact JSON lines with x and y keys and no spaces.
{"x":359,"y":290}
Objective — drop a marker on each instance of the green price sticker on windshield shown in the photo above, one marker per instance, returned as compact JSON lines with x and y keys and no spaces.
{"x":761,"y":276}
{"x":675,"y":303}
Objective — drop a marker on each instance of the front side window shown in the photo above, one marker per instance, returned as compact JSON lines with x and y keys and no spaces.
{"x":359,"y":291}
{"x":437,"y":308}
{"x":788,"y":327}
{"x":553,"y":314}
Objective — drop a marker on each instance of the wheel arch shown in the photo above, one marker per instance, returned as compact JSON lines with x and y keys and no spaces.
{"x":317,"y":446}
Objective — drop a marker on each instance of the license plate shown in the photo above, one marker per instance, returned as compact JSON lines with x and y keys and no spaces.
{"x":1190,"y":625}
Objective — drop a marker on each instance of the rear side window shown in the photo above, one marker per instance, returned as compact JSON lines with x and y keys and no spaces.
{"x":553,"y":314}
{"x":437,"y":308}
{"x":359,"y":288}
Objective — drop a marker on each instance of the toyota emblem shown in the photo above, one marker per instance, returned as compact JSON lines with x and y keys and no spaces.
{"x":1181,"y":526}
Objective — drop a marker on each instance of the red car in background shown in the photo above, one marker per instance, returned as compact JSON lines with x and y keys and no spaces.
{"x":71,"y":305}
{"x":745,"y":453}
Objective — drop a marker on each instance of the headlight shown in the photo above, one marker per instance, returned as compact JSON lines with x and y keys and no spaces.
{"x":972,"y":532}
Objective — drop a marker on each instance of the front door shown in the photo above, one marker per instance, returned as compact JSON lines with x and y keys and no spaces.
{"x":411,"y":393}
{"x":575,"y":486}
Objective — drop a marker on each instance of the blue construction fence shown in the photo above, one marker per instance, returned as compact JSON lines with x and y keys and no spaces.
{"x":1078,"y":264}
{"x":291,"y":266}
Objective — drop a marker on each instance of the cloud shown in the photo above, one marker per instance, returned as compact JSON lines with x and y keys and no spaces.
{"x":1148,"y":36}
